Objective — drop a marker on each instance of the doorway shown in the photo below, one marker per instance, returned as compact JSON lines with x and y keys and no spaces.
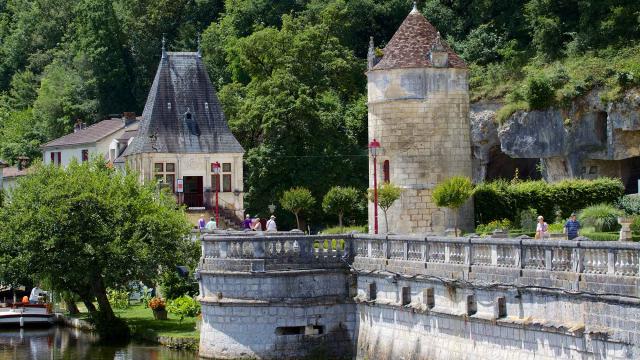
{"x":193,"y":191}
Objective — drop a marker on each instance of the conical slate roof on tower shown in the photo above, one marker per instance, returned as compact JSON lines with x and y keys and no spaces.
{"x":182,"y":113}
{"x":410,"y":45}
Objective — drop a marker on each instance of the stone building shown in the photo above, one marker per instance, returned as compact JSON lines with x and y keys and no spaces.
{"x":107,"y":138}
{"x":183,"y":132}
{"x":418,"y":102}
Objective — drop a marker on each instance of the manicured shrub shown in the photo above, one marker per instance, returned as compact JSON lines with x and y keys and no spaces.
{"x":501,"y":199}
{"x":453,"y":193}
{"x":603,"y":217}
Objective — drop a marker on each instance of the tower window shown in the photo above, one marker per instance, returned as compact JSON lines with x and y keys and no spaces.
{"x":385,"y":171}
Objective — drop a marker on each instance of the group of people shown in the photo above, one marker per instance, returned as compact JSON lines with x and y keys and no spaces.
{"x":571,"y":228}
{"x":249,"y":224}
{"x":209,"y":226}
{"x":258,"y":224}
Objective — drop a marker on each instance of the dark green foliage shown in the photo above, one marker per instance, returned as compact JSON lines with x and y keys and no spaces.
{"x":173,"y":286}
{"x":539,"y":93}
{"x":630,"y":204}
{"x":500,"y":199}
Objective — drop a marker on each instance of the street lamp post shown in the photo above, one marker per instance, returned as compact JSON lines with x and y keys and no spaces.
{"x":374,"y":149}
{"x":215,"y":167}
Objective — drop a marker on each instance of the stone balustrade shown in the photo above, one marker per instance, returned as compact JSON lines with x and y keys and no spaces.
{"x":582,"y":257}
{"x":590,"y":257}
{"x":273,"y":251}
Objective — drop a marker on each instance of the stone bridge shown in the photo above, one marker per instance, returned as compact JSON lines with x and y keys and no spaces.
{"x":417,"y":297}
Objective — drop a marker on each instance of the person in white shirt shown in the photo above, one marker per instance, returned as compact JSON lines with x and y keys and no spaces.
{"x":211,"y":225}
{"x":35,"y":295}
{"x":271,"y":224}
{"x":542,"y":229}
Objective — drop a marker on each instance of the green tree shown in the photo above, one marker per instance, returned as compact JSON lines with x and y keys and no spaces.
{"x":388,"y":193}
{"x":340,"y":201}
{"x":87,"y":228}
{"x":297,"y":200}
{"x":453,"y":193}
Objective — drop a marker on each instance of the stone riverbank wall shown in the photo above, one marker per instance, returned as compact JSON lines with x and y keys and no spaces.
{"x":419,"y":297}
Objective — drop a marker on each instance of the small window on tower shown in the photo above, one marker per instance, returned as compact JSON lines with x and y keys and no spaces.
{"x":385,"y":171}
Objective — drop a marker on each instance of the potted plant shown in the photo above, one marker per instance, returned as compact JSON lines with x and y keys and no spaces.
{"x":158,"y":306}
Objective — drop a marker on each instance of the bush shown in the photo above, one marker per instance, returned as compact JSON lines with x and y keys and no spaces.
{"x":601,"y":236}
{"x":173,"y":285}
{"x":528,"y":219}
{"x":630,"y":204}
{"x":603,"y":217}
{"x":184,"y":306}
{"x":119,"y":299}
{"x":635,"y":226}
{"x":501,"y":199}
{"x":345,"y":230}
{"x":556,"y":227}
{"x":483,"y":229}
{"x":539,"y":92}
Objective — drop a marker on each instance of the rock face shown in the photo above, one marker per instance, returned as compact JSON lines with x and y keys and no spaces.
{"x":590,"y":139}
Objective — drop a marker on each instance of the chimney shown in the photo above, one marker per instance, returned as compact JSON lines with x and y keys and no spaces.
{"x":128,"y":118}
{"x":78,"y":126}
{"x":438,"y":55}
{"x":23,"y":162}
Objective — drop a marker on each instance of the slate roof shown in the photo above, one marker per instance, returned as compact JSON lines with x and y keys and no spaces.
{"x":13,"y":171}
{"x":410,"y":45}
{"x":194,"y":122}
{"x":89,"y":134}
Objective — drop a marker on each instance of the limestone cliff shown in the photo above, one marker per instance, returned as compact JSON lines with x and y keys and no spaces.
{"x":589,"y":139}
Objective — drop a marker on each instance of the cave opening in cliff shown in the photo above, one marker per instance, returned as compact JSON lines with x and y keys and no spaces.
{"x":631,"y":174}
{"x":502,"y":166}
{"x":601,"y":126}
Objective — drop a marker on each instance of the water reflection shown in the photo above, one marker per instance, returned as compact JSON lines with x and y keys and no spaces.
{"x":63,"y":343}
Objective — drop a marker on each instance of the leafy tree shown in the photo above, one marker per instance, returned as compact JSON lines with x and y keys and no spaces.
{"x":453,"y":193}
{"x":297,"y":200}
{"x":87,"y":228}
{"x":340,"y":201}
{"x":388,"y":193}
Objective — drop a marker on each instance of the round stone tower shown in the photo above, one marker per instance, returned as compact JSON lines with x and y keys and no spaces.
{"x":419,"y":112}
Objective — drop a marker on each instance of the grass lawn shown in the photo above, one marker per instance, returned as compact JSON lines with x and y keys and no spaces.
{"x":142,"y":323}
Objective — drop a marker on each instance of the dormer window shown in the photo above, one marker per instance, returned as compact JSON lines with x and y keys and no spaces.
{"x":206,"y":106}
{"x":169,"y":105}
{"x":194,"y":129}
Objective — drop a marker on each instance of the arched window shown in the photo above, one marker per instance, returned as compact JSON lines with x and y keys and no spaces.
{"x":385,"y":171}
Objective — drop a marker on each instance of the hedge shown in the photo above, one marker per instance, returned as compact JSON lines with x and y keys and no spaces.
{"x":505,"y":200}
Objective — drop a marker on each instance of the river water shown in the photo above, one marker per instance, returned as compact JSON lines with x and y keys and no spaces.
{"x":71,"y":344}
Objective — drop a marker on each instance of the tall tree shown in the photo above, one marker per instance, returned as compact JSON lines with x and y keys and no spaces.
{"x":88,"y":227}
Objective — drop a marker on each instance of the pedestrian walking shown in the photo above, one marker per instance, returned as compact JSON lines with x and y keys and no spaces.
{"x":211,"y":225}
{"x":246,"y":223}
{"x":572,"y":227}
{"x":201,"y":223}
{"x":271,"y":224}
